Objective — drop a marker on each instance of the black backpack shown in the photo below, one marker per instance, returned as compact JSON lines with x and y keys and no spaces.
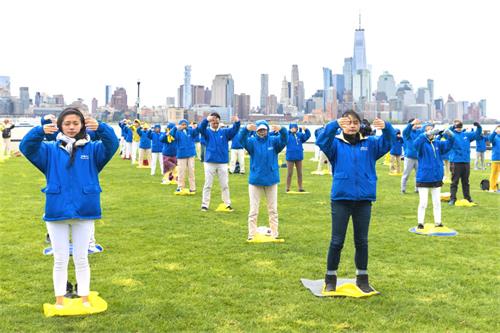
{"x":485,"y":184}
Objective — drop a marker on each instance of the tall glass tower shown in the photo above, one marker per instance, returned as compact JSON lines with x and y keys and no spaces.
{"x":359,"y":58}
{"x":186,"y":94}
{"x":327,"y":83}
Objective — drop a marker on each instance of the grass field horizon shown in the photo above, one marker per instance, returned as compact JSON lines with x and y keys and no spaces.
{"x":167,"y":266}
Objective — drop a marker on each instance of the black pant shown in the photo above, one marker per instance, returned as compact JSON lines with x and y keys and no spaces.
{"x":460,"y":171}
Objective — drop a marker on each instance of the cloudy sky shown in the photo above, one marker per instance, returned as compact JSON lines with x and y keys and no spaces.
{"x":77,"y":47}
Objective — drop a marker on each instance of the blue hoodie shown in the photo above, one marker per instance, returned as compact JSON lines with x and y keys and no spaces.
{"x":156,"y":144}
{"x":185,"y":140}
{"x":460,"y":152}
{"x":430,"y":159}
{"x":72,"y":192}
{"x":397,"y":145}
{"x":481,"y":144}
{"x":409,"y":134}
{"x":294,"y":149}
{"x":145,"y":142}
{"x":494,"y":138}
{"x":169,"y":144}
{"x":217,"y":142}
{"x":264,"y":169}
{"x":354,"y":175}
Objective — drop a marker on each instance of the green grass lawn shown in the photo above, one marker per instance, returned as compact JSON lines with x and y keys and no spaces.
{"x":169,"y":267}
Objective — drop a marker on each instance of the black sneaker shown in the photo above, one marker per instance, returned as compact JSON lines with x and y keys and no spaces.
{"x":403,"y":191}
{"x":229,"y":208}
{"x":250,"y":238}
{"x":440,"y":225}
{"x":47,"y":238}
{"x":302,"y":190}
{"x":362,"y":283}
{"x":420,"y":226}
{"x":69,"y":290}
{"x":330,"y":283}
{"x":204,"y":209}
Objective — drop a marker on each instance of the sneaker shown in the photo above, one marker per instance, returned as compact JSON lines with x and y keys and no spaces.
{"x":403,"y":191}
{"x":178,"y":190}
{"x":47,"y":238}
{"x":192,"y":191}
{"x":287,"y":190}
{"x":440,"y":225}
{"x":302,"y":190}
{"x":330,"y":283}
{"x":229,"y":208}
{"x":451,"y":203}
{"x":420,"y":226}
{"x":362,"y":283}
{"x":250,"y":238}
{"x":204,"y":209}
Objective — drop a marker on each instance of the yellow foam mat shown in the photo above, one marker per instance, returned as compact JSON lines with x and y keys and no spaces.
{"x":259,"y":238}
{"x":169,"y":182}
{"x":395,"y":173}
{"x":345,"y":288}
{"x":143,"y":167}
{"x":321,"y":173}
{"x":431,"y":230}
{"x":297,"y":192}
{"x":184,"y":191}
{"x":465,"y":203}
{"x":445,"y":196}
{"x":74,"y":306}
{"x":222,"y":208}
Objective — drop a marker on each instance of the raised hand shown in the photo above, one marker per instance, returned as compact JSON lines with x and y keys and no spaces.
{"x":50,"y":128}
{"x":235,"y":119}
{"x":251,"y":127}
{"x":378,"y":124}
{"x":275,"y":128}
{"x":91,"y":123}
{"x":344,"y":122}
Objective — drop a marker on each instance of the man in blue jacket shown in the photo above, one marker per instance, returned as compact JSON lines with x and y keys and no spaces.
{"x":396,"y":152}
{"x":237,"y":155}
{"x":156,"y":148}
{"x":217,"y":156}
{"x":460,"y":159}
{"x":295,"y":153}
{"x":480,"y":149}
{"x":185,"y":137}
{"x":264,"y":171}
{"x":410,"y":133}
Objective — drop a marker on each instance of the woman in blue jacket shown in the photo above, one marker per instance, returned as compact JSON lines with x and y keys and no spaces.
{"x":295,"y":153}
{"x":144,"y":146}
{"x":353,"y":158}
{"x":185,"y":137}
{"x":480,"y":149}
{"x":169,"y":152}
{"x":430,"y":170}
{"x":264,"y":174}
{"x":396,"y":152}
{"x":71,"y":165}
{"x":156,"y":148}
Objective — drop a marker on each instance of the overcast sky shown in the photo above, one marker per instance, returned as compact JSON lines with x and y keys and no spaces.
{"x":77,"y":47}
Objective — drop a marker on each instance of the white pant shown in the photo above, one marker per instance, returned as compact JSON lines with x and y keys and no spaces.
{"x":122,"y":146}
{"x":212,"y":169}
{"x":237,"y":155}
{"x":6,"y":146}
{"x":423,"y":193}
{"x":323,"y":160}
{"x":135,"y":147}
{"x":409,"y":165}
{"x":128,"y":149}
{"x":156,"y":157}
{"x":317,"y":152}
{"x":271,"y":193}
{"x":59,"y":237}
{"x":186,"y":165}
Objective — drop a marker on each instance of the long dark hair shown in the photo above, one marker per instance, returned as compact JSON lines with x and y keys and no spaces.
{"x":83,"y":131}
{"x":353,"y":114}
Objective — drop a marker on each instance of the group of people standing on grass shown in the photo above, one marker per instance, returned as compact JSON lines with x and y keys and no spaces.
{"x":82,"y":146}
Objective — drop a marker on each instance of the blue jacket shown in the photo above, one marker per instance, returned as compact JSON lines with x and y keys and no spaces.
{"x":235,"y":143}
{"x":156,"y":144}
{"x":409,"y":134}
{"x":185,"y":141}
{"x":294,"y":149}
{"x":128,"y":134}
{"x":318,"y":131}
{"x":430,"y":160}
{"x":169,"y":145}
{"x":72,"y":192}
{"x":397,"y":147}
{"x":354,"y":175}
{"x":264,"y":168}
{"x":481,"y":144}
{"x":460,"y":152}
{"x":145,"y":142}
{"x":217,"y":142}
{"x":122,"y":126}
{"x":494,"y":138}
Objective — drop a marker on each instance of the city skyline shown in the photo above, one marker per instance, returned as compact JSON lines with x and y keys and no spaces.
{"x":446,"y":50}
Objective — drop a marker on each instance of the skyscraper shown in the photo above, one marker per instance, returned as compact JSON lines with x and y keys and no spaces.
{"x":359,"y":58}
{"x":285,"y":92}
{"x":272,"y":104}
{"x":430,"y":86}
{"x":347,"y":70}
{"x":38,"y":99}
{"x":386,"y":85}
{"x":361,"y":81}
{"x":119,"y":99}
{"x":327,"y":83}
{"x":170,"y":102}
{"x":264,"y":90}
{"x":295,"y":85}
{"x":4,"y":86}
{"x":186,"y":94}
{"x":222,"y":90}
{"x":301,"y":96}
{"x":107,"y":95}
{"x":94,"y":106}
{"x":242,"y":105}
{"x":198,"y":95}
{"x":338,"y":83}
{"x":24,"y":100}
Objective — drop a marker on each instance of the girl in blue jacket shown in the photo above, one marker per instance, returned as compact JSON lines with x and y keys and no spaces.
{"x":295,"y":153}
{"x":264,"y":174}
{"x":353,"y":158}
{"x":169,"y":152}
{"x":156,"y":148}
{"x":430,"y":170}
{"x":71,"y":165}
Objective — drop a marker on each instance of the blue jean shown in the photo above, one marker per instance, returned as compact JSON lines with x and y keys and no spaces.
{"x":342,"y":210}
